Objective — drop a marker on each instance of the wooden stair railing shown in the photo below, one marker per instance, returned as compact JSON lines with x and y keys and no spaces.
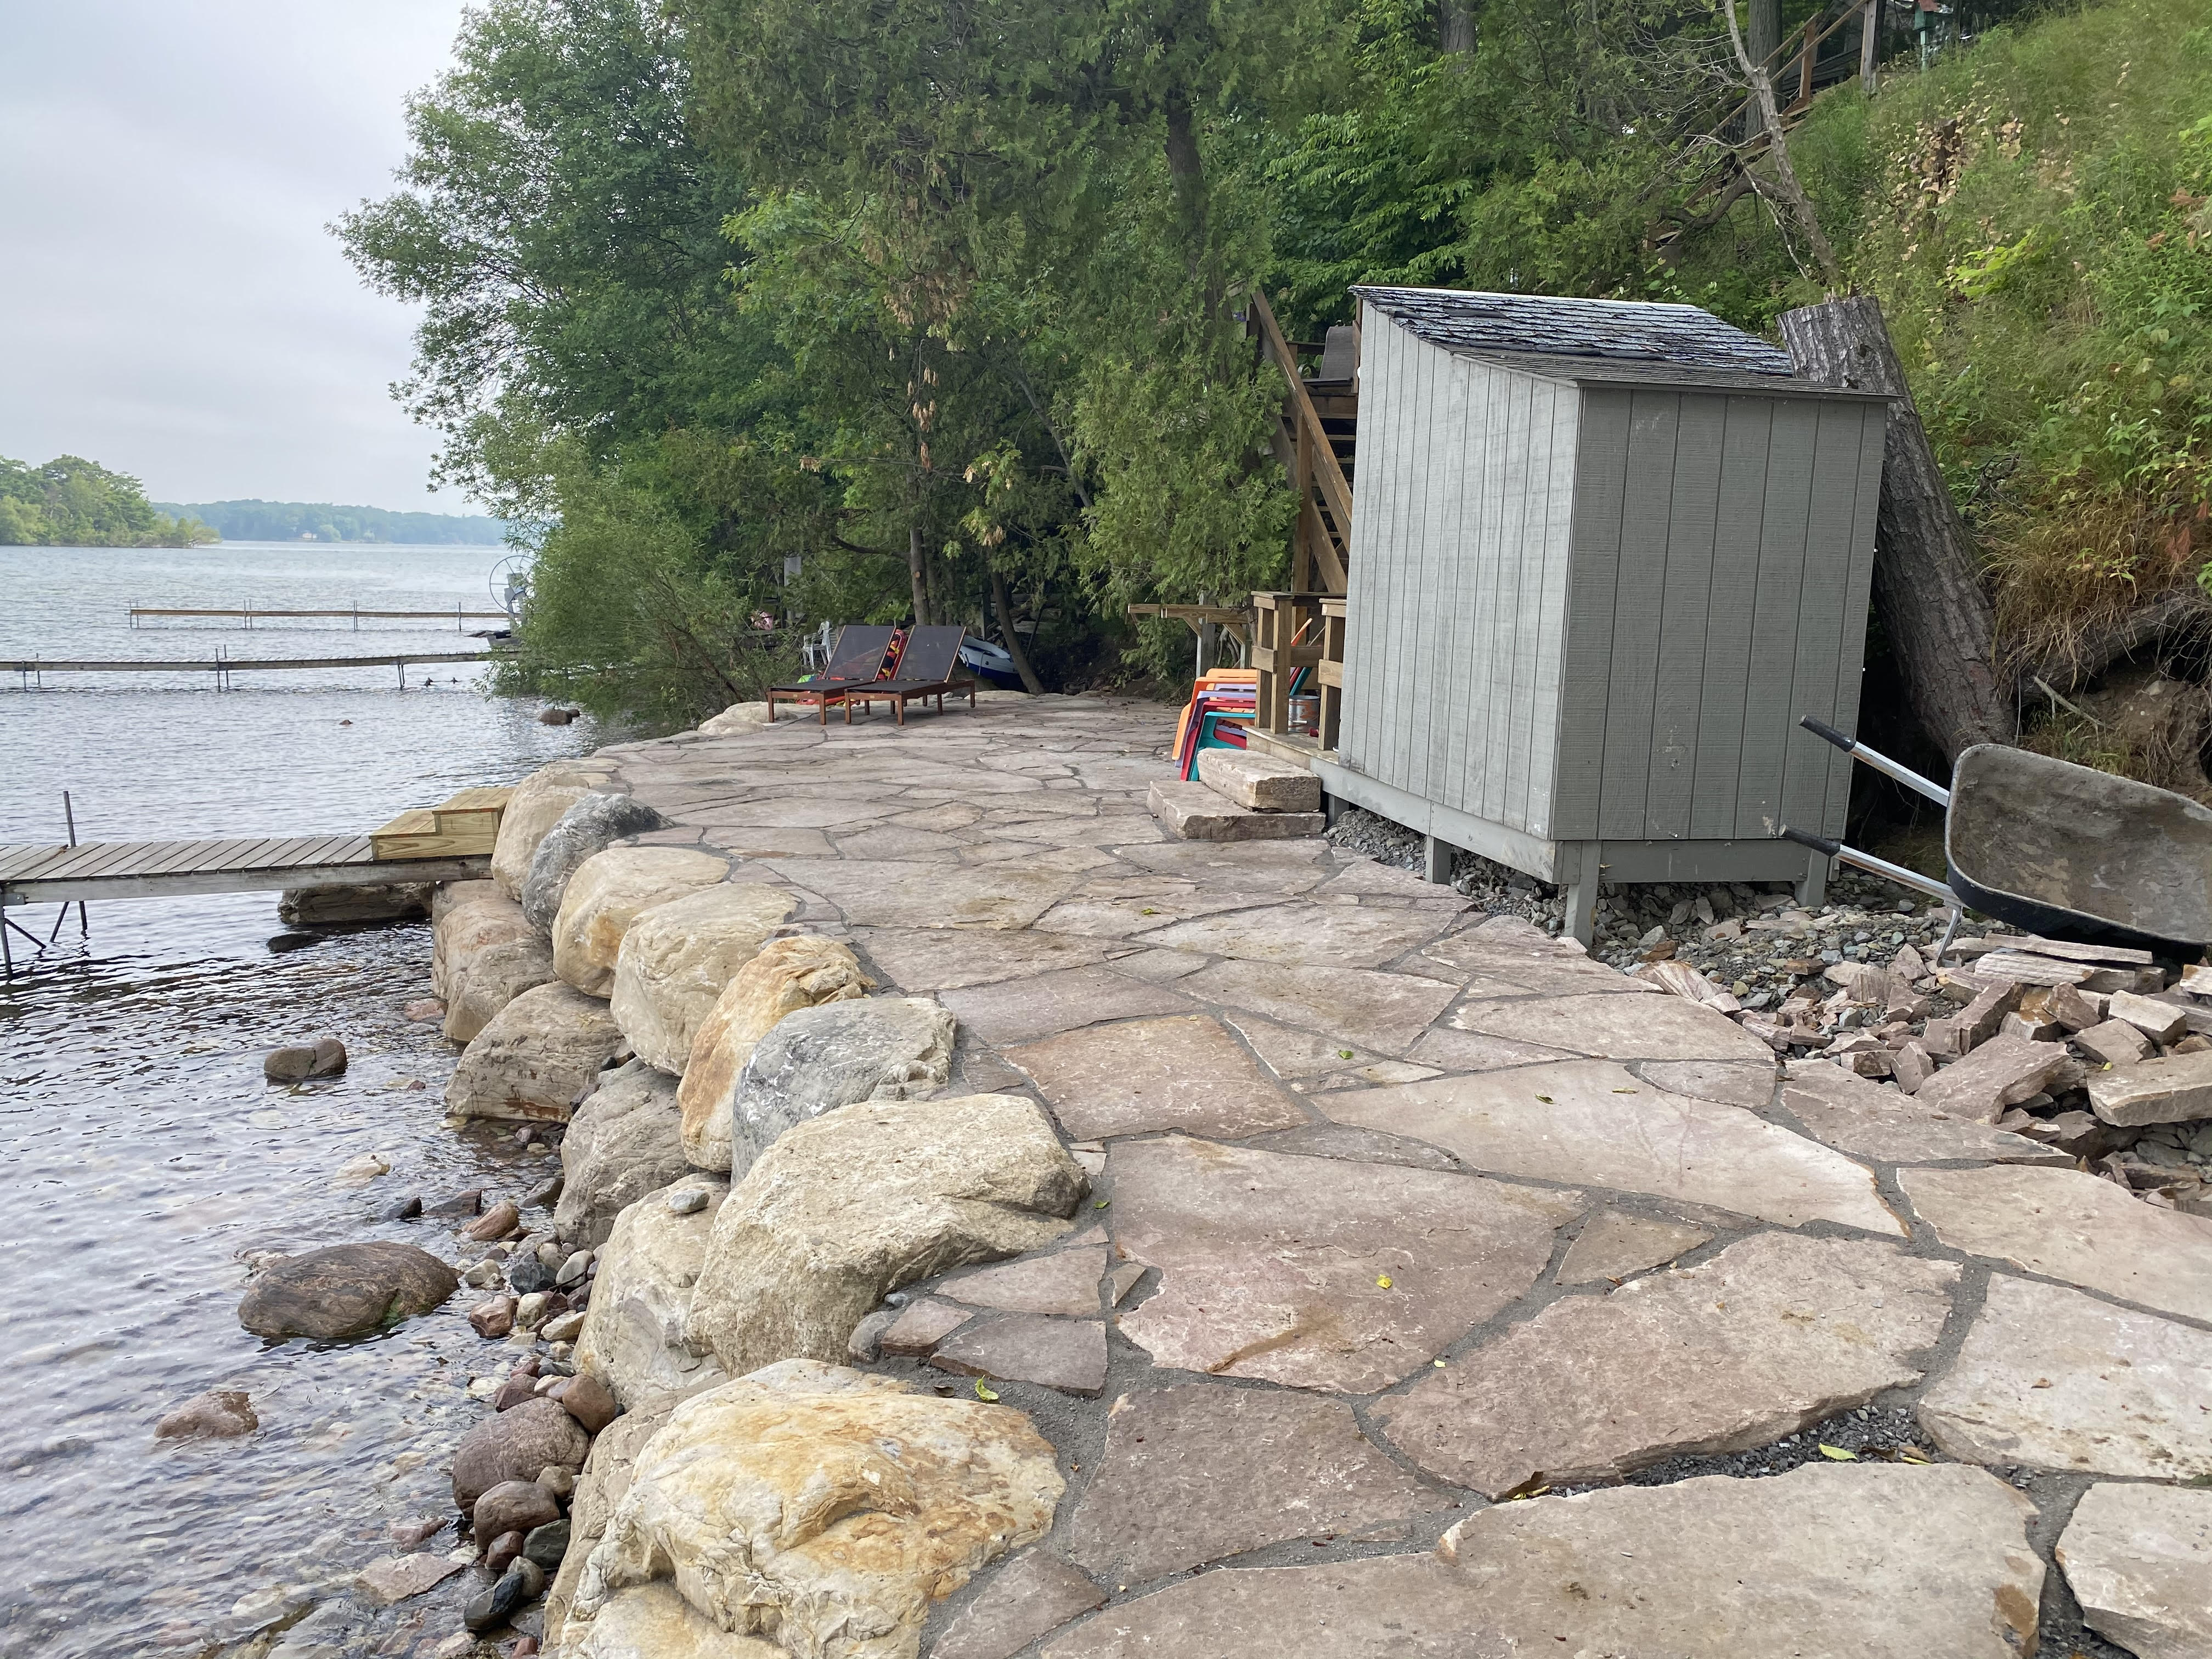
{"x":1321,"y":545}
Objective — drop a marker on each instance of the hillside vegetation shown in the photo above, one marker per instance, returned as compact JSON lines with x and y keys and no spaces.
{"x":322,"y":522}
{"x":869,"y":311}
{"x":73,"y":502}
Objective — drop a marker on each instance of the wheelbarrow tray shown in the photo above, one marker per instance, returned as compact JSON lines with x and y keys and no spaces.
{"x":2072,"y":852}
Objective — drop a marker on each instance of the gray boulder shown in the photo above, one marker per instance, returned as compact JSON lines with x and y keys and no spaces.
{"x":593,"y":824}
{"x":624,"y":1142}
{"x":815,"y":1060}
{"x":345,"y":1290}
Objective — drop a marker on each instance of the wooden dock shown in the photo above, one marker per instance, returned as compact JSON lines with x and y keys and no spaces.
{"x":31,"y":671}
{"x":61,"y":874}
{"x":250,"y":614}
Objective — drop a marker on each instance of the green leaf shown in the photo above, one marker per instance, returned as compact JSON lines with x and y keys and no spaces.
{"x":984,"y":1391}
{"x":1838,"y":1454}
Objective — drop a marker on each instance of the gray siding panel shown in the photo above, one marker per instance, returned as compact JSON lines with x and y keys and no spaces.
{"x":1850,"y":660}
{"x":1767,"y":721}
{"x":1654,"y":421}
{"x":1600,"y":468}
{"x":1685,"y":603}
{"x":1831,"y":499}
{"x":1729,"y":617}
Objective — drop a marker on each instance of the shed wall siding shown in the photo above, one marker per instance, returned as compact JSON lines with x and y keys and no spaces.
{"x":1723,"y":550}
{"x":1459,"y":579}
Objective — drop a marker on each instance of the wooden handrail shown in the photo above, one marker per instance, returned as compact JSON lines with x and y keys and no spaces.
{"x":1334,"y":489}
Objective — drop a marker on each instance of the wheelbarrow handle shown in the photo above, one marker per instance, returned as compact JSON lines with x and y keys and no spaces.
{"x":1880,"y":761}
{"x":1882,"y":867}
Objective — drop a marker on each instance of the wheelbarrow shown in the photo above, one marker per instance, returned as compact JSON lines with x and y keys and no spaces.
{"x":2063,"y":851}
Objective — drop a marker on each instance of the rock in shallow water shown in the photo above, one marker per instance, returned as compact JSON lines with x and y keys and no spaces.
{"x":536,"y":1058}
{"x":345,"y":1290}
{"x":326,"y":1057}
{"x":513,"y":1506}
{"x":219,"y":1415}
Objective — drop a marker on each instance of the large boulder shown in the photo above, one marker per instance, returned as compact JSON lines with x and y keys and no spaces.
{"x":676,"y":957}
{"x":824,"y":1508}
{"x":599,"y":1491}
{"x":592,"y":822}
{"x":448,"y":898}
{"x":374,"y":901}
{"x":815,"y":1060}
{"x":654,"y":1621}
{"x":867,"y":1198}
{"x":788,"y":975}
{"x":622,"y":1143}
{"x":345,"y":1290}
{"x":536,"y":804}
{"x":611,"y":889}
{"x":519,"y":1443}
{"x":633,"y":1338}
{"x":736,"y":720}
{"x":482,"y":956}
{"x":538,"y":1056}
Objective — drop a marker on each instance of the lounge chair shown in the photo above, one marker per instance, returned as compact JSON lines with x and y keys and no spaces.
{"x":857,"y":658}
{"x":928,"y":667}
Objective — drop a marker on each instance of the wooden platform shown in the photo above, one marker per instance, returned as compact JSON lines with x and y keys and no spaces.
{"x":461,"y":826}
{"x":55,"y":874}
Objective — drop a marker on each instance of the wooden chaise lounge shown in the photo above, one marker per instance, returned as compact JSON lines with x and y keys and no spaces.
{"x":928,"y":667}
{"x":856,"y":659}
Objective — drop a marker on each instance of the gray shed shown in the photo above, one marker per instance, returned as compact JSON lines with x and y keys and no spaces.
{"x":1605,"y":555}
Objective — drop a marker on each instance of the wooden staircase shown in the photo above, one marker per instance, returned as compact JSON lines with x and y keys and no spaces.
{"x":1315,"y":438}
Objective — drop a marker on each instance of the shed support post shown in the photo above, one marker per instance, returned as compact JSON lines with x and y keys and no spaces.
{"x":1814,"y":889}
{"x":1580,"y":923}
{"x":1436,"y":860}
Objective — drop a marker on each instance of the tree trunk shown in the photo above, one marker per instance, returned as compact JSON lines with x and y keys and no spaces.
{"x":1455,"y":27}
{"x":1004,"y":607}
{"x":1765,"y":32}
{"x":1927,"y":584}
{"x":1185,"y":169}
{"x":917,"y":567}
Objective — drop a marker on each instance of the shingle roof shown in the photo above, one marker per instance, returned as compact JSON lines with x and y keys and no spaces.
{"x":1544,"y":325}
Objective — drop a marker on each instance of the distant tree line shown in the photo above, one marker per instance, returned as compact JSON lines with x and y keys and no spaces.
{"x":293,"y":521}
{"x":73,"y":502}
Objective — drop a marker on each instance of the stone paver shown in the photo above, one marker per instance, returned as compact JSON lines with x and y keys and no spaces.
{"x":1856,"y":1116}
{"x":1591,"y":1123}
{"x":1774,"y":1332}
{"x":2064,"y":1225}
{"x":2139,"y":1560}
{"x":922,"y":1324}
{"x":929,"y":894}
{"x":1614,"y":1244}
{"x":949,"y":959}
{"x":2172,"y":1090}
{"x":1731,"y":1082}
{"x":1184,"y":1073}
{"x":1017,"y":1011}
{"x":1505,"y":954}
{"x":2055,"y":1378}
{"x":1068,"y":1354}
{"x":1363,"y":1145}
{"x":1611,"y":1027}
{"x":1196,"y":813}
{"x":1063,"y":1282}
{"x":1867,"y":1563}
{"x":1383,"y":1011}
{"x":1200,"y":1472}
{"x":1333,"y":936}
{"x":1316,"y":1273}
{"x":1028,"y":1596}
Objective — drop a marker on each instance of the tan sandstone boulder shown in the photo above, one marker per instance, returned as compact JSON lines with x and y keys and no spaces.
{"x":622,"y":1143}
{"x":536,"y":1058}
{"x":788,"y":975}
{"x":632,"y":1334}
{"x":823,"y":1508}
{"x":601,"y":1488}
{"x":676,"y":957}
{"x":482,"y":956}
{"x":535,"y":807}
{"x":737,"y":718}
{"x":608,"y":892}
{"x":867,"y":1198}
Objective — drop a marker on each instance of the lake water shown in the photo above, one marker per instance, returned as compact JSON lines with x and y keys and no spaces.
{"x":142,"y":1155}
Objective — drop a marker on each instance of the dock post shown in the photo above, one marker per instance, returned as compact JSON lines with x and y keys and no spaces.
{"x":83,"y":922}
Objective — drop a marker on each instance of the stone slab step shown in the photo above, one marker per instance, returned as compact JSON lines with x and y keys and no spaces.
{"x":1196,"y":813}
{"x":1259,"y":782}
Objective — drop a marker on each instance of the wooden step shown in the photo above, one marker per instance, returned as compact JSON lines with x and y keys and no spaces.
{"x":463,"y":825}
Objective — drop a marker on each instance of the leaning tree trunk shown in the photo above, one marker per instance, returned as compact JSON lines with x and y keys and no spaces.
{"x":1005,"y":606}
{"x":1927,"y":586}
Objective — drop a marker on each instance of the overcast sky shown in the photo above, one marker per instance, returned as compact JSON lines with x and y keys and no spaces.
{"x":171,"y":304}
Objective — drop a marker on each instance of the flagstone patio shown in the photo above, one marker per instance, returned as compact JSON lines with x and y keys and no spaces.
{"x":1414,"y":1218}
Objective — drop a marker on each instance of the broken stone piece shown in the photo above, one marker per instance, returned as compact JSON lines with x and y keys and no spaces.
{"x":2172,"y":1088}
{"x":2113,"y":1042}
{"x":1063,"y":1282}
{"x":1999,"y":1074}
{"x":1068,"y":1354}
{"x":1195,"y":812}
{"x":922,"y":1324}
{"x":2162,"y":1022}
{"x":1026,"y":1598}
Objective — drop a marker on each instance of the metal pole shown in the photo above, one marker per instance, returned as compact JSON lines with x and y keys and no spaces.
{"x":83,"y":922}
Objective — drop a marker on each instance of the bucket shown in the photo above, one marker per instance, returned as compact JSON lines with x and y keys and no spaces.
{"x":1305,"y":714}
